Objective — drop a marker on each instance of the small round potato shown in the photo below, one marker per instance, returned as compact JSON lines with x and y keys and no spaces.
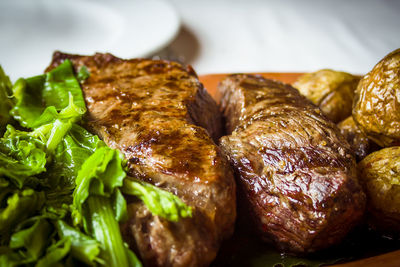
{"x":332,"y":91}
{"x":379,"y":173}
{"x":376,"y":108}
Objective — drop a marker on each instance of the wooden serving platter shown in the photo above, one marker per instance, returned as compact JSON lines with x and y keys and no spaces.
{"x":386,"y":259}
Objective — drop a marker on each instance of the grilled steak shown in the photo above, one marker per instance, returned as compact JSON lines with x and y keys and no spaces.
{"x":293,"y":167}
{"x":160,"y":116}
{"x":360,"y":144}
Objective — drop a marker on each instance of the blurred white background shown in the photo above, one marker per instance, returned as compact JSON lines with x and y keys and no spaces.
{"x":287,"y":35}
{"x":31,"y":30}
{"x":215,"y":36}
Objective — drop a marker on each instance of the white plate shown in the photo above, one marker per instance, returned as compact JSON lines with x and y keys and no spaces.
{"x":31,"y":30}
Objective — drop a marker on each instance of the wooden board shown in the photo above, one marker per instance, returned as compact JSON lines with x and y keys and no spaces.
{"x":210,"y":82}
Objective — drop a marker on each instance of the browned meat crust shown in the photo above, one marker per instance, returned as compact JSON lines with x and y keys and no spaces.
{"x":152,"y":111}
{"x":294,"y":167}
{"x":359,"y":142}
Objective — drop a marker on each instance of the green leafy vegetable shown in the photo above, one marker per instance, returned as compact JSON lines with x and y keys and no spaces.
{"x":27,"y":96}
{"x":5,"y":101}
{"x":70,"y":154}
{"x":60,"y":82}
{"x":55,"y":88}
{"x":9,"y":258}
{"x":158,"y":201}
{"x":24,"y":156}
{"x":33,"y":240}
{"x":3,"y":183}
{"x":55,"y":253}
{"x":54,"y":126}
{"x":101,"y":175}
{"x":60,"y":186}
{"x":83,"y":247}
{"x":105,"y":228}
{"x":119,"y":206}
{"x":96,"y":187}
{"x":21,"y":156}
{"x":83,"y":74}
{"x":18,"y":205}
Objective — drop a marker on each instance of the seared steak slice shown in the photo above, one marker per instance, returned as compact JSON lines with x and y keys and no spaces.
{"x":359,"y":142}
{"x":154,"y":112}
{"x":292,"y":164}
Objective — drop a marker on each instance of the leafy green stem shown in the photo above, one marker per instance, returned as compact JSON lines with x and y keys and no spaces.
{"x":105,"y":229}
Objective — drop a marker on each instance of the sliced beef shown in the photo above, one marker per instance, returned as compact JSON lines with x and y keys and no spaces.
{"x":360,"y":144}
{"x":294,"y":168}
{"x":160,"y":116}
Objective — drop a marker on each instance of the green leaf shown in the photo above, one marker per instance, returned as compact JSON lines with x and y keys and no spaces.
{"x":71,"y":113}
{"x":27,"y":95}
{"x":119,"y":206}
{"x":101,"y":174}
{"x":5,"y":101}
{"x":158,"y":201}
{"x":54,"y":126}
{"x":133,"y":260}
{"x":99,"y":204}
{"x":10,"y":258}
{"x":3,"y":183}
{"x":58,"y":201}
{"x":59,"y":83}
{"x":55,"y":253}
{"x":83,"y":247}
{"x":21,"y":156}
{"x":74,"y":149}
{"x":19,"y":205}
{"x":33,"y":240}
{"x":33,"y":95}
{"x":105,"y":228}
{"x":83,"y":74}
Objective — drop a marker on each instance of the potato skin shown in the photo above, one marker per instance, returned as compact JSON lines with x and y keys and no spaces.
{"x":332,"y":91}
{"x":376,"y":107}
{"x":379,"y":174}
{"x":359,"y":142}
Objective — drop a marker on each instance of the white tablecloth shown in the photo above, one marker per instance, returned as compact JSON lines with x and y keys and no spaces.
{"x":250,"y":36}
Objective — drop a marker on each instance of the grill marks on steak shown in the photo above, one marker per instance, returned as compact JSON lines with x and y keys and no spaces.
{"x":154,"y":112}
{"x":295,"y":170}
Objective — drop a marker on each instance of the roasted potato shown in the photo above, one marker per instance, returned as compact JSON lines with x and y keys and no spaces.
{"x":359,"y":142}
{"x":331,"y":90}
{"x":376,"y":108}
{"x":379,"y":173}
